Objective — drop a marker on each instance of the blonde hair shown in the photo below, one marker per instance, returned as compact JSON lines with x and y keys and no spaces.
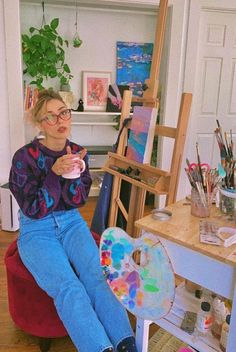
{"x":43,"y":98}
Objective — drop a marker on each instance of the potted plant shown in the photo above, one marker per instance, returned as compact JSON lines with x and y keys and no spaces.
{"x":44,"y":55}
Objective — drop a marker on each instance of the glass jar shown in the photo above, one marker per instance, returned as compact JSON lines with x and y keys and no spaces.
{"x":228,"y":205}
{"x":200,"y":206}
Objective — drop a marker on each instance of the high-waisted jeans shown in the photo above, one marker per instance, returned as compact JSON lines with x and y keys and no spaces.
{"x":49,"y":248}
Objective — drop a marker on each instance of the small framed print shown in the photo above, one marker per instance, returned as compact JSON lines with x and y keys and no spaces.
{"x":95,"y":90}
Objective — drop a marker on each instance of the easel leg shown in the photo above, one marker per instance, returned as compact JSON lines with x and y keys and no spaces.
{"x":142,"y":334}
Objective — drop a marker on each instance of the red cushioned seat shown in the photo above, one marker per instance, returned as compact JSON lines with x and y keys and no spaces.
{"x":30,"y":307}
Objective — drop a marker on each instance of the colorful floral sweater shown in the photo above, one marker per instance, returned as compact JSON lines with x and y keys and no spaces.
{"x":37,"y":189}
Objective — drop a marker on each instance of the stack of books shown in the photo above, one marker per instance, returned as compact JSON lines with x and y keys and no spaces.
{"x":30,"y":97}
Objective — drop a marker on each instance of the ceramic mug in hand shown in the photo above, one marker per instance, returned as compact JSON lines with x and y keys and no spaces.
{"x":78,"y":169}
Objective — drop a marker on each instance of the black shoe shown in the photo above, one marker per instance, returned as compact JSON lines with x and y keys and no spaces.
{"x":127,"y":345}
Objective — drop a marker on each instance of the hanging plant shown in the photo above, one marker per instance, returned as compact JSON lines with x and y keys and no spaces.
{"x":77,"y":41}
{"x":44,"y":55}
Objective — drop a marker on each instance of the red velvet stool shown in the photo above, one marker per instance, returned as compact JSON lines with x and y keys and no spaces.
{"x":30,"y":307}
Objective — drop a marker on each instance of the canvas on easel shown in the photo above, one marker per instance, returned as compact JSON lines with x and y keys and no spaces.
{"x":141,"y":135}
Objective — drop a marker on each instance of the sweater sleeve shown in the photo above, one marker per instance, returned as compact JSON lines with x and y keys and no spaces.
{"x":75,"y":191}
{"x":36,"y":193}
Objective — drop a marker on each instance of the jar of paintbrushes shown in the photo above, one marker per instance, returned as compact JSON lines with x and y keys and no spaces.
{"x":204,"y":181}
{"x":227,"y":169}
{"x":200,"y":203}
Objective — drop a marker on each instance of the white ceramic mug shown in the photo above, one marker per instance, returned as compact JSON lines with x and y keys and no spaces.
{"x":76,"y":172}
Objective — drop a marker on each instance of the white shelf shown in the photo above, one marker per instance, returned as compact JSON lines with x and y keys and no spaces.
{"x":186,"y":301}
{"x":94,"y":118}
{"x":95,"y":113}
{"x":92,"y":123}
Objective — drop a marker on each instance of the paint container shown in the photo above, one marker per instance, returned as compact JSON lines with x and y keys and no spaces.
{"x":204,"y":318}
{"x":228,"y":203}
{"x":200,"y":205}
{"x":225,"y":334}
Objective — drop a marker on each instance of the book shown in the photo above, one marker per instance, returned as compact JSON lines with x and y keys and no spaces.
{"x":115,"y":97}
{"x":141,"y":135}
{"x":30,"y":98}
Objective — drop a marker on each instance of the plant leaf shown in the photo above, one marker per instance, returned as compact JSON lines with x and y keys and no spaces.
{"x":46,"y":28}
{"x":54,"y":23}
{"x":32,"y":29}
{"x":66,"y":68}
{"x":25,"y":38}
{"x":60,"y":40}
{"x":53,"y":73}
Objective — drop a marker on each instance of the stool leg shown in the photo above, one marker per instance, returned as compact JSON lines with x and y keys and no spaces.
{"x":44,"y":344}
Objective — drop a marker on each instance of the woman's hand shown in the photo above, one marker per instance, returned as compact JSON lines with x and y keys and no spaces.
{"x":67,"y":162}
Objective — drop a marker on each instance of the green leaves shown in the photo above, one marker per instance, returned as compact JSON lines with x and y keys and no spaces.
{"x":44,"y":56}
{"x":54,"y":23}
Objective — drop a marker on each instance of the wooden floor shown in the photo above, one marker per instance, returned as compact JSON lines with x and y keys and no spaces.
{"x":13,"y":339}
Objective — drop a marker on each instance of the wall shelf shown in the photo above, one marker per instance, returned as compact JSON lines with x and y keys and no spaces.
{"x":92,"y":123}
{"x":95,"y":113}
{"x":96,"y":118}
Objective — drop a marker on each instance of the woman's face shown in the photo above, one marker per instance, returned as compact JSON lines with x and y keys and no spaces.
{"x":56,"y":122}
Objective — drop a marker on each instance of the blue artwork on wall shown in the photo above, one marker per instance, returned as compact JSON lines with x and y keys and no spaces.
{"x":133,"y":65}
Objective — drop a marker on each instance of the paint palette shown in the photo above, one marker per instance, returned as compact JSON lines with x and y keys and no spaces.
{"x":146,"y":289}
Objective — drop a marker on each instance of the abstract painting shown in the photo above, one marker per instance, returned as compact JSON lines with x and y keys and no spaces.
{"x":141,"y":136}
{"x":95,"y":90}
{"x":115,"y":97}
{"x":133,"y":65}
{"x":147,"y":289}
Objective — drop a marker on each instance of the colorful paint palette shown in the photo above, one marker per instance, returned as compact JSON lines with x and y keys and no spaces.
{"x":146,"y":289}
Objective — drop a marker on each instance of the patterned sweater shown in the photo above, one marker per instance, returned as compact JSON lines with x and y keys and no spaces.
{"x":37,"y":189}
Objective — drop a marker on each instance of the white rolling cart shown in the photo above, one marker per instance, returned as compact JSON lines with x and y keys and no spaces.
{"x":212,"y":267}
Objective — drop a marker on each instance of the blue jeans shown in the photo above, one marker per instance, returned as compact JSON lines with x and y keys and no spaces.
{"x":49,"y":248}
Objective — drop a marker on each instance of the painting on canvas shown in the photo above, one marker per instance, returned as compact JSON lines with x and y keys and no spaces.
{"x":133,"y":65}
{"x":95,"y":90}
{"x":141,"y":136}
{"x":115,"y":97}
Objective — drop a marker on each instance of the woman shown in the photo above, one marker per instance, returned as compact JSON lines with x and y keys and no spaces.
{"x":55,"y":243}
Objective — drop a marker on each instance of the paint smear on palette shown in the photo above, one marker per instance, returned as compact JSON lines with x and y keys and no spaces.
{"x":146,"y":290}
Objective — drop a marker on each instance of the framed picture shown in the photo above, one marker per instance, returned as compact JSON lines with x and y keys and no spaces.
{"x":95,"y":90}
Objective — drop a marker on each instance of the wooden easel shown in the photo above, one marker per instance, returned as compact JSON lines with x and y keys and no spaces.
{"x":152,"y":179}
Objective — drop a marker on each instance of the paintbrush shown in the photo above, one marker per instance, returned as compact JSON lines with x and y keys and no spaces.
{"x":199,"y":166}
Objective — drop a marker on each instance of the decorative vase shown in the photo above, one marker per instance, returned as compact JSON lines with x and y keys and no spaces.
{"x":68,"y":98}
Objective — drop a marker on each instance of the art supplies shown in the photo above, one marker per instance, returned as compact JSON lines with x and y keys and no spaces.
{"x":227,"y":235}
{"x":204,"y":181}
{"x":200,"y":203}
{"x":147,"y":289}
{"x":227,"y":156}
{"x":141,"y":136}
{"x":208,"y":233}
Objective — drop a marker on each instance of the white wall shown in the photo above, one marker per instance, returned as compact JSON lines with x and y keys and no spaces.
{"x":99,"y":30}
{"x":4,"y":129}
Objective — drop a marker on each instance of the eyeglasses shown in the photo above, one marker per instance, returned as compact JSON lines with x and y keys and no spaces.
{"x":52,"y":119}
